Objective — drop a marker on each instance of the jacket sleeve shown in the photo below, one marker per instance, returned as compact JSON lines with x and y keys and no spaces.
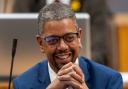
{"x":15,"y":84}
{"x":115,"y":82}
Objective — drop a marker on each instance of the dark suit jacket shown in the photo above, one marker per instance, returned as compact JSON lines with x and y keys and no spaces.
{"x":96,"y":76}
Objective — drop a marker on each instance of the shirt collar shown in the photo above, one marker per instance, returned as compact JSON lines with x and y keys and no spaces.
{"x":52,"y":74}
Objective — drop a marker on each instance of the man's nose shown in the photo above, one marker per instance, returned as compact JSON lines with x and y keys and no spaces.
{"x":62,"y":45}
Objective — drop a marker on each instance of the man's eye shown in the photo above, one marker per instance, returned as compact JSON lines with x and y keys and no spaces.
{"x":69,"y":38}
{"x":51,"y":40}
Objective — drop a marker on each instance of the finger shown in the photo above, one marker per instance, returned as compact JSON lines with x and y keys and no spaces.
{"x":65,"y":71}
{"x":64,"y":78}
{"x":56,"y":84}
{"x":71,"y":76}
{"x":70,"y":81}
{"x":67,"y":77}
{"x":73,"y":84}
{"x":78,"y":70}
{"x":74,"y":71}
{"x":77,"y":77}
{"x":66,"y":81}
{"x":67,"y":66}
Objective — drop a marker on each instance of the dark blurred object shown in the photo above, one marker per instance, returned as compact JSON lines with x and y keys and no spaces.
{"x":57,"y":0}
{"x":101,"y":26}
{"x":28,"y":5}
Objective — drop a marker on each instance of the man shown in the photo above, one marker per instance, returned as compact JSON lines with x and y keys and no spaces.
{"x":101,"y":24}
{"x":59,"y":38}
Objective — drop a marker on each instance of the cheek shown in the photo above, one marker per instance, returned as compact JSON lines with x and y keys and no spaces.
{"x":49,"y":51}
{"x":75,"y":47}
{"x":49,"y":55}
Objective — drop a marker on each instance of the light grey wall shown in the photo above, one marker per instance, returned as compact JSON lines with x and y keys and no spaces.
{"x":118,"y":6}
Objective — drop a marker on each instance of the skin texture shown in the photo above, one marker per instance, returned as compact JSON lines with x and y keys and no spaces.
{"x":62,"y":56}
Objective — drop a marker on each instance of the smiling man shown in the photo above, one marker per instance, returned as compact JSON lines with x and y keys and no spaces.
{"x":59,"y":38}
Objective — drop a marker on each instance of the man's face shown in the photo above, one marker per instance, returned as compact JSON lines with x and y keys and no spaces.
{"x":60,"y":42}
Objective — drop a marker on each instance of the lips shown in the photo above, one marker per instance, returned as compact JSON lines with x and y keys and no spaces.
{"x":63,"y":58}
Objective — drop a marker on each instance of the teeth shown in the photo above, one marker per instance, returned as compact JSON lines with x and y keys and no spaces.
{"x":62,"y":56}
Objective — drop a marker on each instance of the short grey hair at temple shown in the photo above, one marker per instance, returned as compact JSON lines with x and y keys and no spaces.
{"x":54,"y":11}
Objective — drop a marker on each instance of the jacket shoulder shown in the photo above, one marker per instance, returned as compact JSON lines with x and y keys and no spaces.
{"x":100,"y":76}
{"x":28,"y":78}
{"x":96,"y":67}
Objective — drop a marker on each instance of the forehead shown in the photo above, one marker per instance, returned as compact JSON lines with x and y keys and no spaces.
{"x":59,"y":27}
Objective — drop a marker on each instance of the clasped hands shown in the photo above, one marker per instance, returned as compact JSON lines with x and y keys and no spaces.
{"x":69,"y":76}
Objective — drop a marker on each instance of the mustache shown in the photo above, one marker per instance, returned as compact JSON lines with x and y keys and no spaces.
{"x":63,"y":51}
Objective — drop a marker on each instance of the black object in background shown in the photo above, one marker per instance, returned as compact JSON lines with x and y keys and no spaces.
{"x":12,"y":61}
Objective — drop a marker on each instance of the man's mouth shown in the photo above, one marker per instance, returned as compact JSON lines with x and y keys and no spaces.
{"x":63,"y":58}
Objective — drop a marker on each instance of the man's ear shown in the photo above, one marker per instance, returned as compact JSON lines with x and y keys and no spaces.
{"x":40,"y":43}
{"x":80,"y":35}
{"x":80,"y":32}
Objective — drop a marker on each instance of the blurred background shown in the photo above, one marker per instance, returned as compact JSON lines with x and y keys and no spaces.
{"x":108,"y":34}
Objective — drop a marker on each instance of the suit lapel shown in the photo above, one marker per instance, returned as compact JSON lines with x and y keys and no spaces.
{"x":84,"y":66}
{"x":43,"y":75}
